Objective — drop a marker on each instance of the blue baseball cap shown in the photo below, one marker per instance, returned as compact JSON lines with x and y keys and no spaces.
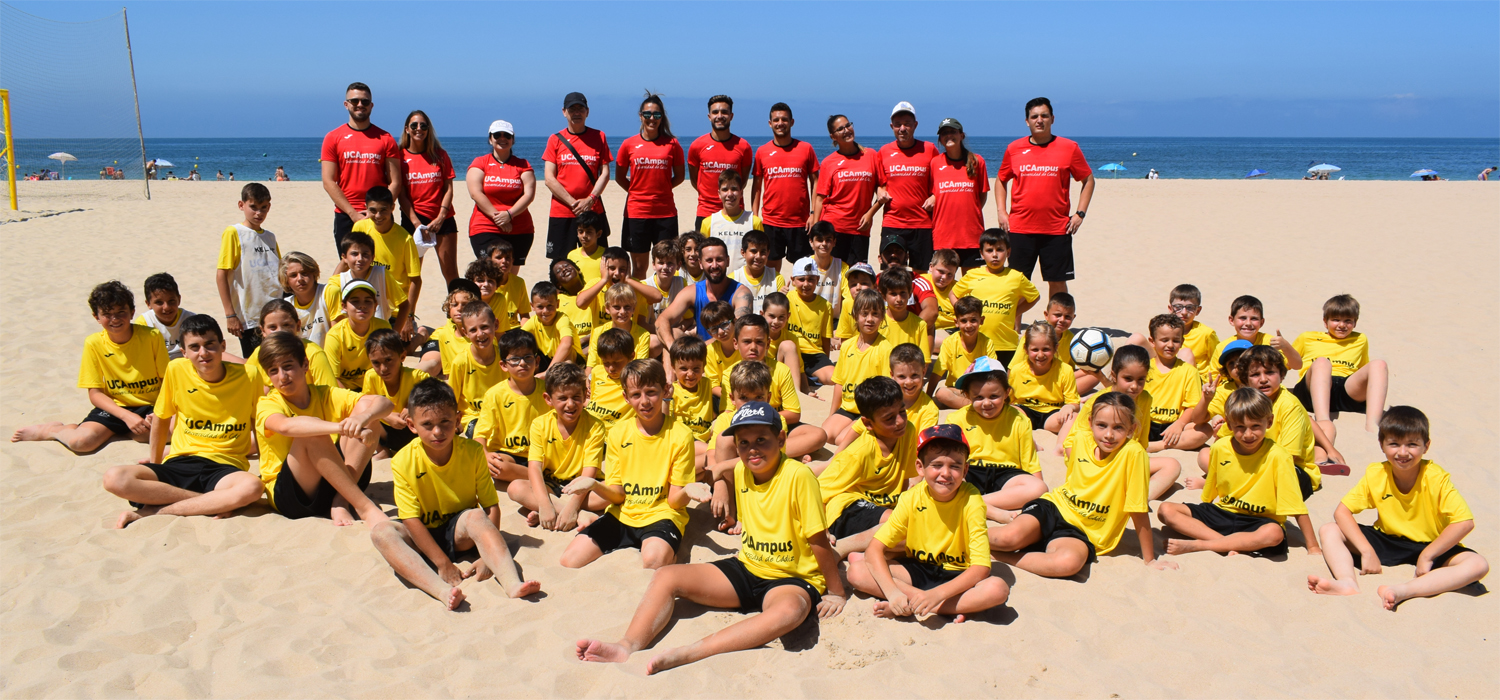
{"x":754,"y":413}
{"x":1238,"y":344}
{"x":982,"y":367}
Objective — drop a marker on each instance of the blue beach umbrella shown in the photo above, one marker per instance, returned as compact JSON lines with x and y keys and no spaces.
{"x":1424,"y":173}
{"x":1256,"y":173}
{"x":1116,"y":167}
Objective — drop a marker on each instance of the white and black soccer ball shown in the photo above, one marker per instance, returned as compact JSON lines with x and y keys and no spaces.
{"x":1091,"y":348}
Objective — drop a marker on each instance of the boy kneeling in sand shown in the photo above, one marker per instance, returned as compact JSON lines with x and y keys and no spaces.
{"x":782,"y":570}
{"x":940,"y":524}
{"x":447,"y":504}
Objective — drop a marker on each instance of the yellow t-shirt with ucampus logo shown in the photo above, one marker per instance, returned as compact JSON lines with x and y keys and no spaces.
{"x":1099,"y":495}
{"x":130,"y":373}
{"x":1174,"y":391}
{"x":1420,"y":514}
{"x":1347,"y":356}
{"x":374,"y":385}
{"x":346,"y":351}
{"x":471,"y":379}
{"x":506,"y":416}
{"x":607,"y":398}
{"x":433,"y":492}
{"x":646,"y":467}
{"x":1045,"y":392}
{"x":778,"y":520}
{"x":952,"y":535}
{"x":1002,"y":441}
{"x":332,"y":404}
{"x":955,"y":358}
{"x":855,"y":364}
{"x":1001,"y":293}
{"x":862,"y":473}
{"x":564,"y":458}
{"x":214,"y":420}
{"x":1262,"y":484}
{"x":694,"y":407}
{"x":810,"y":322}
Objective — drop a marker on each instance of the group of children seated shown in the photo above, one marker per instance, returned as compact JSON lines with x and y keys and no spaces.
{"x":599,"y":406}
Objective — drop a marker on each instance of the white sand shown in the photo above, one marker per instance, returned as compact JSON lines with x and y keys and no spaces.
{"x":260,"y":606}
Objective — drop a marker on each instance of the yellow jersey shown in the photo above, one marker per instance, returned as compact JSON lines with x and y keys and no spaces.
{"x":1045,"y":392}
{"x":450,"y":343}
{"x":1002,"y":441}
{"x":694,"y":408}
{"x":922,"y":414}
{"x":582,"y":319}
{"x":500,"y":307}
{"x":564,"y":458}
{"x":646,"y":467}
{"x":506,"y":415}
{"x":783,"y":393}
{"x":641,"y":336}
{"x":952,"y":535}
{"x":517,"y":299}
{"x":810,"y":323}
{"x":332,"y":404}
{"x":1347,"y":356}
{"x":954,"y":357}
{"x":395,"y":249}
{"x":549,"y":337}
{"x":855,"y":365}
{"x":1420,"y":514}
{"x":1202,"y":340}
{"x":130,"y":373}
{"x":911,"y":329}
{"x":1099,"y":495}
{"x":389,"y":293}
{"x":374,"y":385}
{"x":715,"y":368}
{"x":214,"y":420}
{"x":863,"y":473}
{"x":1263,"y":484}
{"x":471,"y":379}
{"x":779,"y":519}
{"x":1142,"y":420}
{"x":319,"y":369}
{"x":1174,"y":391}
{"x":945,"y":306}
{"x":1002,"y":293}
{"x":1291,"y":430}
{"x":607,"y":398}
{"x":435,"y":493}
{"x":588,"y":264}
{"x":347,"y":356}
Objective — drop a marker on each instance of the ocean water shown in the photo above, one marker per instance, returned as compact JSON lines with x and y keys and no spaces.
{"x":1192,"y":158}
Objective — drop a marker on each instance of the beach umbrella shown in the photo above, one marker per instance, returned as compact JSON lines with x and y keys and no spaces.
{"x":1424,"y":172}
{"x":164,"y":163}
{"x":1256,"y":173}
{"x":62,"y":158}
{"x":1116,"y":167}
{"x":1324,"y":168}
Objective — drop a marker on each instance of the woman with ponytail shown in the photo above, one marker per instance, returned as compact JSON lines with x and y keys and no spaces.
{"x":960,"y":187}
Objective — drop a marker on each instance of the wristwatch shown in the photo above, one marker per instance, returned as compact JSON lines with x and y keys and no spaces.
{"x":1081,"y":214}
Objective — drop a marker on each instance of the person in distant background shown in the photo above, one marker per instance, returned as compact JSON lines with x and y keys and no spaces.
{"x":355,"y":157}
{"x":1036,"y":210}
{"x":231,"y":176}
{"x":280,"y":174}
{"x":219,"y":177}
{"x":427,"y":189}
{"x":1485,"y":174}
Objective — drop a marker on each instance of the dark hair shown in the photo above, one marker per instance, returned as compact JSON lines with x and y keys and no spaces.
{"x":431,"y":393}
{"x":666,"y":249}
{"x":274,"y":306}
{"x":1120,"y":400}
{"x":543,"y":289}
{"x":280,"y":345}
{"x":501,"y":246}
{"x":876,"y":393}
{"x":713,"y":242}
{"x":1129,"y":354}
{"x":616,"y":253}
{"x":1164,"y":320}
{"x":1064,"y":300}
{"x":1263,"y":355}
{"x":1039,"y":102}
{"x":1404,"y":421}
{"x":781,"y":107}
{"x":593,"y":221}
{"x":822,"y":229}
{"x":943,"y":446}
{"x":867,"y":299}
{"x":967,"y":305}
{"x":386,"y":339}
{"x":111,"y":295}
{"x":202,"y":325}
{"x":482,"y":269}
{"x":908,"y":354}
{"x":971,"y":161}
{"x":644,"y":373}
{"x":1246,"y":302}
{"x":352,"y":238}
{"x":721,"y":98}
{"x":552,"y":270}
{"x":160,"y":282}
{"x":666,"y":124}
{"x":717,"y":312}
{"x":566,"y":374}
{"x":751,"y":321}
{"x":730,"y":175}
{"x":693,"y":237}
{"x":835,"y":117}
{"x":895,"y":279}
{"x":994,"y":236}
{"x":688,"y":348}
{"x":476,"y":308}
{"x":756,"y":238}
{"x":360,"y":87}
{"x":255,"y":192}
{"x":516,"y":339}
{"x":615,"y":342}
{"x":381,"y":194}
{"x":776,"y":299}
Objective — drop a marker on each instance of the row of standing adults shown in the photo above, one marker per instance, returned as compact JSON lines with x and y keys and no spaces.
{"x":932,"y":195}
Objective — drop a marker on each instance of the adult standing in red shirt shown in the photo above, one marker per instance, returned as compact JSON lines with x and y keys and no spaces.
{"x":713,"y":153}
{"x":650,"y":164}
{"x":427,"y":196}
{"x":906,"y":187}
{"x":575,"y":186}
{"x":1040,"y":227}
{"x":786,"y":174}
{"x":502,"y":185}
{"x":847,"y":183}
{"x":960,"y":187}
{"x":357,"y":156}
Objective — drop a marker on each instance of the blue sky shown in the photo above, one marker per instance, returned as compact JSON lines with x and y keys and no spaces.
{"x":216,"y":69}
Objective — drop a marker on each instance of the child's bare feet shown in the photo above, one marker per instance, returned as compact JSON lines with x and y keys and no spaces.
{"x":1331,"y":586}
{"x":999,"y":515}
{"x":883,"y":609}
{"x":131,"y":516}
{"x":524,"y":588}
{"x":533,"y":518}
{"x":341,"y":517}
{"x":455,"y":598}
{"x":601,"y":652}
{"x":959,"y":618}
{"x":669,"y":659}
{"x":1175,"y":546}
{"x":1194,"y":483}
{"x":807,"y":459}
{"x":1388,"y":598}
{"x":41,"y":431}
{"x":481,"y":571}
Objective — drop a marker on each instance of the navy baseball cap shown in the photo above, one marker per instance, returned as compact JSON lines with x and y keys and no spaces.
{"x":575,"y":98}
{"x":754,"y":413}
{"x":982,"y":367}
{"x":944,"y":431}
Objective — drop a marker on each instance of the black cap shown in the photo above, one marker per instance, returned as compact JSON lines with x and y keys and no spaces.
{"x":893,"y":239}
{"x":575,"y":98}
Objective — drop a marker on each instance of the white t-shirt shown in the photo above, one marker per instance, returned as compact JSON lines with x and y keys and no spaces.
{"x":314,"y":318}
{"x":171,"y":334}
{"x":769,"y":282}
{"x":732,"y":232}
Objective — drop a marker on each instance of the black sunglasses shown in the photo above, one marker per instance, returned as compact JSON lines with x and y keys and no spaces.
{"x":358,"y":101}
{"x":417,"y":126}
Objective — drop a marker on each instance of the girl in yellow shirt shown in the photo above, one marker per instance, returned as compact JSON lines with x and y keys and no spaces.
{"x":1042,"y":386}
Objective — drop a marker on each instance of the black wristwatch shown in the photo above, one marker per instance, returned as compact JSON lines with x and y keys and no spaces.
{"x":1081,"y":214}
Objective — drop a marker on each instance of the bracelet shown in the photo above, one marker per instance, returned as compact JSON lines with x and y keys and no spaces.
{"x":231,"y":316}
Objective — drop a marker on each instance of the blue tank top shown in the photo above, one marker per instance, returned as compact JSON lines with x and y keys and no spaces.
{"x":700,"y":299}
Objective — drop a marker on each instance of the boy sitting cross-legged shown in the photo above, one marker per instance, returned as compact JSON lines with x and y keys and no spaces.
{"x":509,"y":407}
{"x":447,"y":504}
{"x":390,"y":378}
{"x":564,"y":444}
{"x":938,"y":532}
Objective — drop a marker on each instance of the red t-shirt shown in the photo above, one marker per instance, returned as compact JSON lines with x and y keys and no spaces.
{"x":360,"y":157}
{"x":593,"y":146}
{"x":783,"y":173}
{"x":848,"y":184}
{"x":502,"y":184}
{"x":650,"y":164}
{"x":1039,"y":198}
{"x":905,"y":176}
{"x":957,"y":215}
{"x":710,"y":158}
{"x":424,"y":180}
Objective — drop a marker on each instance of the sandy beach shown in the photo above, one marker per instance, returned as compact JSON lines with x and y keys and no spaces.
{"x":260,"y":606}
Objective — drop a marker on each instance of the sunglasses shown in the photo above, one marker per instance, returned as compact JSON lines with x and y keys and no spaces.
{"x":418,"y":126}
{"x":360,"y":102}
{"x":653,"y":115}
{"x":501,"y":135}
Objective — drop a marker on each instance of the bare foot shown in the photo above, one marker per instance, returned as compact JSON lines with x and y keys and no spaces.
{"x":999,"y":515}
{"x":524,"y":588}
{"x":340,"y":516}
{"x":726,"y":524}
{"x":533,"y":519}
{"x":1331,"y":586}
{"x":959,"y":618}
{"x":1388,"y":597}
{"x":131,"y":516}
{"x":32,"y":433}
{"x":482,"y":571}
{"x":455,"y":598}
{"x":587,"y":518}
{"x":669,"y":659}
{"x":1193,"y":483}
{"x":601,"y":652}
{"x":883,"y":609}
{"x":372,"y":515}
{"x":735,"y":529}
{"x":1183,"y":546}
{"x":807,"y":459}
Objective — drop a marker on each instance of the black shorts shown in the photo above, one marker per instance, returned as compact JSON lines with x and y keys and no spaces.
{"x":342,"y":225}
{"x":520,"y":244}
{"x":1227,"y":523}
{"x":1304,"y":481}
{"x":396,"y":438}
{"x":991,"y":479}
{"x":852,"y":248}
{"x":847,"y":414}
{"x":918,"y":245}
{"x":429,"y":346}
{"x":788,"y":243}
{"x":293,"y":504}
{"x":859,"y":516}
{"x":562,"y":236}
{"x":1054,"y":251}
{"x":698,"y":223}
{"x":811,"y":363}
{"x":115,"y":425}
{"x":752,"y":589}
{"x":1157,"y":430}
{"x":609,"y":534}
{"x":443,"y":536}
{"x":1005,"y":356}
{"x":1395,"y":550}
{"x":925,"y":576}
{"x":969,"y":257}
{"x":469,"y":429}
{"x":450,"y":225}
{"x":640,"y":234}
{"x":1053,"y":526}
{"x":554,"y":486}
{"x":192,"y":472}
{"x":1038,"y":419}
{"x":1339,"y":400}
{"x":249,"y":340}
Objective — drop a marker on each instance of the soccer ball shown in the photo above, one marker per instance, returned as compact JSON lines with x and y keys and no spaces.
{"x":1091,"y":348}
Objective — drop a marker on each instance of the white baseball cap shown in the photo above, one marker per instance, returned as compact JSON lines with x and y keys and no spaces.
{"x":500,"y":126}
{"x":904,"y":107}
{"x":806,"y":267}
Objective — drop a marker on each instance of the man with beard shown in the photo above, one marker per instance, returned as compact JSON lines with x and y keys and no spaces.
{"x":715,"y":286}
{"x":357,"y":156}
{"x":713,"y":153}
